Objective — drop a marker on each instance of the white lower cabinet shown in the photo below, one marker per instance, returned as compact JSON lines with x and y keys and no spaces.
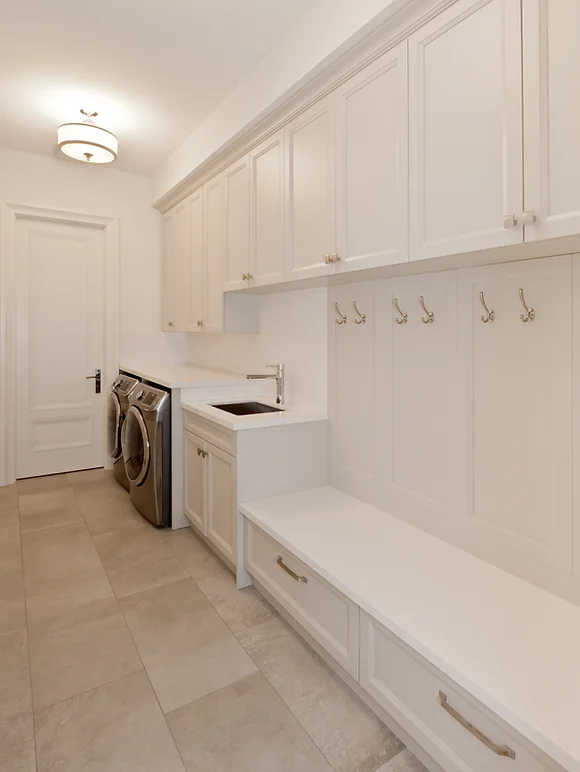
{"x":455,"y":729}
{"x":195,"y":480}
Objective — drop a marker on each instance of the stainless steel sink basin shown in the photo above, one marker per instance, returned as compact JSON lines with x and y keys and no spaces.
{"x":248,"y":408}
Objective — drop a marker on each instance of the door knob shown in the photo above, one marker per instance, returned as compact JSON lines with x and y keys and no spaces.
{"x":97,"y":379}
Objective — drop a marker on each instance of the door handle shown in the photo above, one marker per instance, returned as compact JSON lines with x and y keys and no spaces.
{"x":97,"y":379}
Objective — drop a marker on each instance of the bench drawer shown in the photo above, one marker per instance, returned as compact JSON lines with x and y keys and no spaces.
{"x":329,"y":617}
{"x":438,"y":713}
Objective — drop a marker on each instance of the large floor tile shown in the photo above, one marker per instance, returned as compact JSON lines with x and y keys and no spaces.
{"x":131,"y":546}
{"x":92,"y":478}
{"x":403,"y":762}
{"x":17,"y":752}
{"x":107,"y":508}
{"x":76,"y":607}
{"x":12,"y":600}
{"x":146,"y":576}
{"x":195,"y":556}
{"x":346,"y":731}
{"x":58,"y":558}
{"x":115,"y":728}
{"x":240,"y":609}
{"x":244,"y":727}
{"x":50,"y":509}
{"x":187,"y":649}
{"x":8,"y":498}
{"x":63,"y":666}
{"x":14,"y":676}
{"x":42,"y":484}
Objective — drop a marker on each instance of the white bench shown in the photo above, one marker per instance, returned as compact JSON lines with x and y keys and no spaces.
{"x":445,"y":644}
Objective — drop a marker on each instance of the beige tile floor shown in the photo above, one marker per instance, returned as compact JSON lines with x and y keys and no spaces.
{"x":126,"y":648}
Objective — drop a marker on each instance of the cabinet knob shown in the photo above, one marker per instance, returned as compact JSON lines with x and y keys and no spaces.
{"x":171,"y":324}
{"x":327,"y":259}
{"x":335,"y":258}
{"x":510,"y":221}
{"x":246,"y":276}
{"x":528,"y":217}
{"x":200,"y":323}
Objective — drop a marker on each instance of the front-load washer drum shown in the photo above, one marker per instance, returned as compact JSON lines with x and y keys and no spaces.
{"x":136,"y":446}
{"x":114,"y":418}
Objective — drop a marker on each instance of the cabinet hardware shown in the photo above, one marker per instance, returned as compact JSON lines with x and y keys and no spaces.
{"x":97,"y":379}
{"x":326,"y":259}
{"x":510,"y":221}
{"x":530,"y":314}
{"x":171,"y":324}
{"x":246,"y":276}
{"x":499,"y":750}
{"x":201,"y":453}
{"x":489,"y":316}
{"x":362,"y":317}
{"x":334,"y":258}
{"x":529,"y":217}
{"x":284,"y":567}
{"x":430,"y":318}
{"x":200,"y":323}
{"x":342,"y":317}
{"x":404,"y":316}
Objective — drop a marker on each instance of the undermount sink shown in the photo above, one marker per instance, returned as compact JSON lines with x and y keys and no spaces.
{"x":248,"y":408}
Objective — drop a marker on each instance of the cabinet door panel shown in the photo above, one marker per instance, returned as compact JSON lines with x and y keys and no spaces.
{"x":212,"y":254}
{"x":372,"y":164}
{"x":195,"y":480}
{"x":236,"y":224}
{"x":465,"y":128}
{"x":519,"y":406}
{"x":267,"y":208}
{"x":552,"y":117}
{"x":196,"y":258}
{"x":310,"y":201}
{"x":177,"y":270}
{"x":221,"y":501}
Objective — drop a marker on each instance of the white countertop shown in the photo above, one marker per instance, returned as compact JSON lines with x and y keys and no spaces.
{"x":288,"y":414}
{"x":513,"y":646}
{"x":182,"y":376}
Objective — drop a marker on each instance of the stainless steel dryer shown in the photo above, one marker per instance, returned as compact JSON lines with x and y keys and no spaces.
{"x":146,"y":441}
{"x":122,"y":387}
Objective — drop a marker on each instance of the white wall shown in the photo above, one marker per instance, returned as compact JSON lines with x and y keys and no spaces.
{"x":34,"y":180}
{"x":326,"y":32}
{"x":293,"y":331}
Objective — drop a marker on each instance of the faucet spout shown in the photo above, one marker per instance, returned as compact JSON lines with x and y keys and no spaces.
{"x":278,"y":376}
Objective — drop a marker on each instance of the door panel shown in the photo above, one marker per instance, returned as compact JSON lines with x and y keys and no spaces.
{"x":267,"y":208}
{"x":60,"y":328}
{"x":212,"y":263}
{"x":196,"y":259}
{"x":177,"y":269}
{"x":221,"y":501}
{"x":237,"y":224}
{"x":465,"y":129}
{"x":195,"y":480}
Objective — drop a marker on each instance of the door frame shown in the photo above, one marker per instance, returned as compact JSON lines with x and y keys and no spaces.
{"x":9,"y":214}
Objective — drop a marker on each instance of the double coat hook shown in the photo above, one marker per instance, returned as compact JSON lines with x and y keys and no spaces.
{"x":489,"y":316}
{"x":341,"y":318}
{"x":530,"y":314}
{"x":361,"y":317}
{"x":430,"y":318}
{"x":402,"y":318}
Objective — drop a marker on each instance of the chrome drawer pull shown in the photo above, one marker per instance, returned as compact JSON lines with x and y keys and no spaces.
{"x":284,"y":567}
{"x":500,"y":750}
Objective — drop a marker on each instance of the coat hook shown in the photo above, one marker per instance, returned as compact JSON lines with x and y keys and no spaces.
{"x":430,"y":318}
{"x":530,"y":314}
{"x":362,"y":317}
{"x":342,"y":319}
{"x":403,"y":319}
{"x":489,"y":316}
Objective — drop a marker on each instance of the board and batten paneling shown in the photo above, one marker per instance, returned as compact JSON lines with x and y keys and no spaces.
{"x":372,"y":164}
{"x":519,"y":405}
{"x":465,"y":129}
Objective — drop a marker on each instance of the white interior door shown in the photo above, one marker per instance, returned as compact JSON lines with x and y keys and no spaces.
{"x":60,"y":341}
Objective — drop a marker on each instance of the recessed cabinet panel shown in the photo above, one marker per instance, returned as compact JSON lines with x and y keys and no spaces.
{"x":195,"y":480}
{"x":213,"y":277}
{"x":221,"y":504}
{"x":520,"y":400}
{"x":372,"y":164}
{"x":267,"y":207}
{"x":177,"y":270}
{"x":424,"y":377}
{"x":465,"y":129}
{"x":236,"y":181}
{"x":196,"y":258}
{"x":310,"y":201}
{"x":552,"y":117}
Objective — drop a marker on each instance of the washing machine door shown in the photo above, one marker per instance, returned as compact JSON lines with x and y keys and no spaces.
{"x":114,"y":418}
{"x":136,"y":446}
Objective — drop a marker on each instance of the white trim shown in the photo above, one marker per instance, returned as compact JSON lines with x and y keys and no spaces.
{"x":9,"y":213}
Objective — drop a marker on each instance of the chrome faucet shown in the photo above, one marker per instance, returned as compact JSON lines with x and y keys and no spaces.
{"x":278,"y":375}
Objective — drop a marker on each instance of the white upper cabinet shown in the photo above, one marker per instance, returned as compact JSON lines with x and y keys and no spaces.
{"x":267,"y":211}
{"x":176,"y":270}
{"x":196,"y":257}
{"x":372,"y":164}
{"x":236,"y":183}
{"x":551,"y":118}
{"x":212,"y":320}
{"x":465,"y":129}
{"x":310,"y":199}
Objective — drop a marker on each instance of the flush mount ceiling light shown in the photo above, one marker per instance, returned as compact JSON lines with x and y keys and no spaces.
{"x":87,"y":142}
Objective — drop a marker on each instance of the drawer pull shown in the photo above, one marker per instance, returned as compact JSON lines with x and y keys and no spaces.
{"x":500,"y":750}
{"x":284,"y":567}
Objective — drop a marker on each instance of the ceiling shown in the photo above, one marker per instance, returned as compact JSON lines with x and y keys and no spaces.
{"x":152,"y":70}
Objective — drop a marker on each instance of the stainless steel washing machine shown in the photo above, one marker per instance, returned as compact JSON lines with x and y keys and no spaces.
{"x":146,"y":442}
{"x":122,"y":387}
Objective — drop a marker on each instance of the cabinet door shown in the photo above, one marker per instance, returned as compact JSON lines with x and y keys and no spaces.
{"x":236,"y":182}
{"x":310,"y":200}
{"x":196,"y":258}
{"x":519,"y":406}
{"x":465,"y":129}
{"x":551,"y":117}
{"x":372,"y":164}
{"x":195,"y":480}
{"x":221,"y":501}
{"x":212,"y":256}
{"x":267,"y":211}
{"x":176,"y":270}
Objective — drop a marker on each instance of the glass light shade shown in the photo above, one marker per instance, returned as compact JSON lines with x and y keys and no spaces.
{"x":87,"y":142}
